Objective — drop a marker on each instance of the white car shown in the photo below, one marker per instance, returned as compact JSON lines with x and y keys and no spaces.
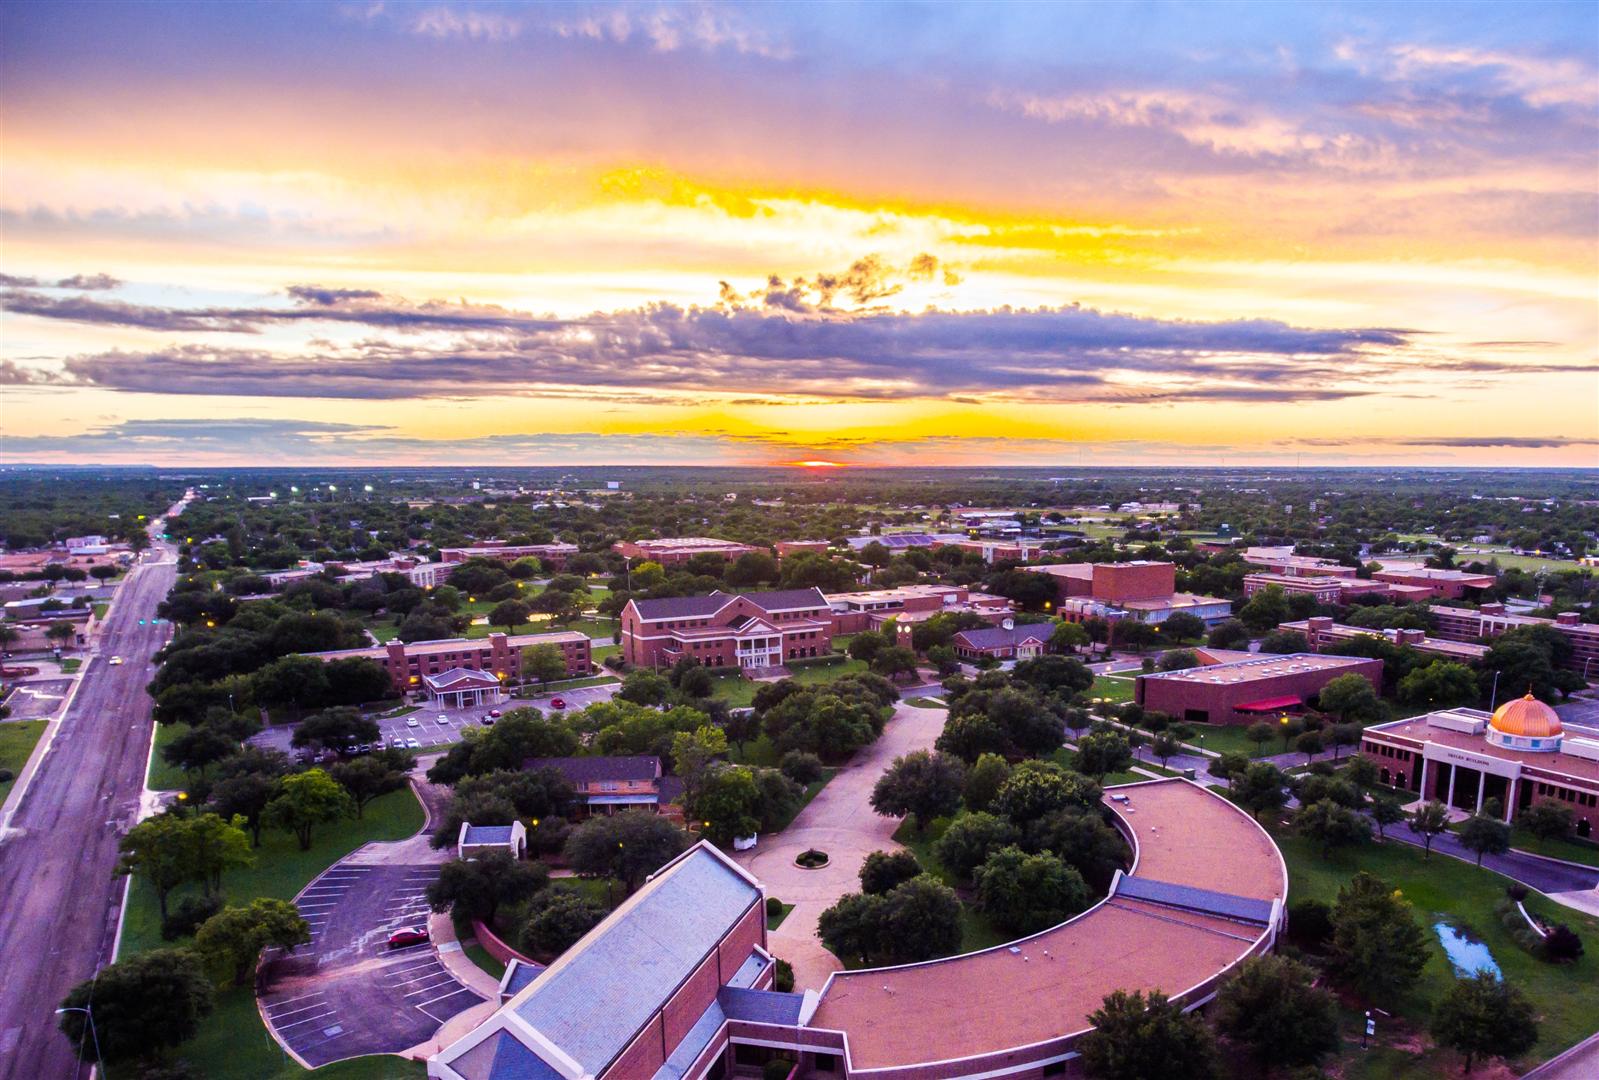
{"x":443,"y":719}
{"x":115,"y":660}
{"x":413,"y":744}
{"x":412,"y":722}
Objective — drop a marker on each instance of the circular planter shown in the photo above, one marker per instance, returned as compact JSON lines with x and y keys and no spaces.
{"x":811,"y":859}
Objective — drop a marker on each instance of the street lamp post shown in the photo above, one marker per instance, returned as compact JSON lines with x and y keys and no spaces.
{"x":95,"y":1035}
{"x":1494,"y":697}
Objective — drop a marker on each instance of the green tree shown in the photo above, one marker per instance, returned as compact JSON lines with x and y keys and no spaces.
{"x":1182,"y":626}
{"x":921,"y":783}
{"x":306,"y":800}
{"x":1230,"y":634}
{"x":477,"y":888}
{"x":1377,"y":948}
{"x":1283,"y":642}
{"x":245,"y":798}
{"x":335,"y":729}
{"x":1309,"y":743}
{"x":727,"y":804}
{"x":61,"y":633}
{"x":1101,"y":754}
{"x":1385,"y":811}
{"x":1177,"y":660}
{"x":627,"y":846}
{"x":1265,"y":609}
{"x":1135,"y":1038}
{"x":1330,"y":826}
{"x":1427,"y":821}
{"x":1080,"y":838}
{"x":1272,"y":1005}
{"x":1068,"y":637}
{"x":1025,"y":893}
{"x":509,"y":614}
{"x":557,"y":918}
{"x":893,"y":661}
{"x":1260,"y":789}
{"x":371,"y":776}
{"x":1352,"y":699}
{"x":644,"y":687}
{"x":1036,"y":788}
{"x":921,"y":921}
{"x":216,"y":845}
{"x":884,"y":871}
{"x":544,"y":663}
{"x":1484,"y":1016}
{"x":983,"y":780}
{"x":158,"y":851}
{"x":291,"y":682}
{"x":1230,"y":766}
{"x":852,"y":927}
{"x":143,"y":1004}
{"x":197,"y":749}
{"x":1260,"y":734}
{"x":1442,"y":684}
{"x":969,"y":839}
{"x":1547,"y":820}
{"x":231,"y":941}
{"x":1485,"y":836}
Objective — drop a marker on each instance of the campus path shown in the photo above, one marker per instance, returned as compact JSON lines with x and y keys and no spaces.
{"x":841,"y":822}
{"x":59,"y":900}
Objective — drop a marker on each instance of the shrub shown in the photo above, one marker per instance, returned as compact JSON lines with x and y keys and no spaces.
{"x":1516,"y":891}
{"x":774,"y":907}
{"x":187,"y":916}
{"x":1562,"y":945}
{"x":1309,"y":924}
{"x":811,"y":859}
{"x":783,"y":977}
{"x":6,"y":776}
{"x":777,"y":1069}
{"x":801,"y":767}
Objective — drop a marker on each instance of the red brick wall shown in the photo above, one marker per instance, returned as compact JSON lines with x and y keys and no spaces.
{"x":736,"y":947}
{"x":691,"y":1000}
{"x":1177,"y":696}
{"x":642,"y":1057}
{"x":1117,"y":582}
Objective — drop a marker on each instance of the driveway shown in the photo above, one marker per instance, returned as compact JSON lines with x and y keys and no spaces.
{"x":841,"y":822}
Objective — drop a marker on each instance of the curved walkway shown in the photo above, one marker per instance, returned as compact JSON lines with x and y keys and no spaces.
{"x":841,"y":822}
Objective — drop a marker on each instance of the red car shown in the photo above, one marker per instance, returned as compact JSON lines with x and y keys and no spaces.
{"x":412,"y":936}
{"x":557,"y":703}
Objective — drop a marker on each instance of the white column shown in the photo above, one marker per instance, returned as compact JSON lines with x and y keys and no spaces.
{"x":1421,"y":783}
{"x":1510,"y":798}
{"x":1482,"y":787}
{"x":1449,"y":799}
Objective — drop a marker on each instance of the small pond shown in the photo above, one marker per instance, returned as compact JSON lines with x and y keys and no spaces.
{"x":1466,"y":954}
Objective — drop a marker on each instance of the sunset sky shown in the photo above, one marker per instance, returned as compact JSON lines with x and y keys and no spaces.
{"x":1134,"y":233}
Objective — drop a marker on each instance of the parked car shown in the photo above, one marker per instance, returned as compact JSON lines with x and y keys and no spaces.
{"x":412,"y":722}
{"x":494,"y":713}
{"x":412,"y":935}
{"x":557,"y":703}
{"x":397,"y":742}
{"x":413,"y":744}
{"x":487,"y":720}
{"x":443,"y":719}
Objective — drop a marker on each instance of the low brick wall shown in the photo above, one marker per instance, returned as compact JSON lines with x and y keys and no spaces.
{"x":495,"y":947}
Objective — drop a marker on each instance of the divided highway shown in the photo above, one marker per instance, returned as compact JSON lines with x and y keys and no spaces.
{"x":58,"y":899}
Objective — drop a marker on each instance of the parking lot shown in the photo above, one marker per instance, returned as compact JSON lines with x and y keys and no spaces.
{"x":423,"y":725}
{"x":348,"y":993}
{"x":38,"y":698}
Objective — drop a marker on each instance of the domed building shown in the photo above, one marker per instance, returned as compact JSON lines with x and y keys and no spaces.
{"x":1503,"y":762}
{"x":1526,"y":724}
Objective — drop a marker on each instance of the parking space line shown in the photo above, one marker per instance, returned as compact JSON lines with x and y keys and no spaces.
{"x":395,"y":985}
{"x":441,"y":997}
{"x":447,"y":981}
{"x":307,"y":1020}
{"x":302,"y":997}
{"x":291,"y":1012}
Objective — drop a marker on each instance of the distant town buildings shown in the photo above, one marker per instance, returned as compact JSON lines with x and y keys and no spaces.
{"x":1432,"y":584}
{"x":551,"y":556}
{"x":1245,"y":691}
{"x":1321,"y":632}
{"x":907,"y":604}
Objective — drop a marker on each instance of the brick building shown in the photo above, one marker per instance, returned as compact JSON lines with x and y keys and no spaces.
{"x":1326,"y":589}
{"x":1141,"y":590}
{"x":751,"y":631}
{"x":551,"y":556}
{"x":681,"y":549}
{"x":1491,"y":620}
{"x":605,"y":785}
{"x":1245,"y":691}
{"x":501,"y":654}
{"x":1282,"y":560}
{"x":1321,"y":631}
{"x":785,"y":548}
{"x":1007,"y":641}
{"x":1426,"y":583}
{"x":1520,"y":755}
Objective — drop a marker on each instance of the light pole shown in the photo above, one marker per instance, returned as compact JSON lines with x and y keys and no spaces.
{"x":95,"y":1035}
{"x":1494,"y":697}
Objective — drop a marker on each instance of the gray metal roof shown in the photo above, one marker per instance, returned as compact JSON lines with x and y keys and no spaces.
{"x":680,"y":607}
{"x":760,"y":1006}
{"x":694,"y":1041}
{"x":587,"y":770}
{"x":503,"y":1057}
{"x":997,"y":637}
{"x":487,"y":834}
{"x":594,"y":1000}
{"x":1186,"y":896}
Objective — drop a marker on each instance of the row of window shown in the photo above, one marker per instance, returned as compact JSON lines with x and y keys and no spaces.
{"x":1554,"y":791}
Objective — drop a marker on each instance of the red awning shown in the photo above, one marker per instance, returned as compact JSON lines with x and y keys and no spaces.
{"x":1271,"y":704}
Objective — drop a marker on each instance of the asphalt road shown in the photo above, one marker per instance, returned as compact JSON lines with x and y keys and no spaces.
{"x":58,"y":896}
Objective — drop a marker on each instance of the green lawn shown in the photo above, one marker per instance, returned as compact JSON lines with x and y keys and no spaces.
{"x":1112,"y":688}
{"x":232,"y":1042}
{"x":1570,"y":849}
{"x":758,"y":751}
{"x":480,"y":956}
{"x":17,"y":740}
{"x":1566,"y":996}
{"x":739,"y":692}
{"x":164,"y":777}
{"x":813,"y":789}
{"x":71,"y":665}
{"x":101,"y":609}
{"x":926,"y":703}
{"x":774,"y":921}
{"x":1065,"y":757}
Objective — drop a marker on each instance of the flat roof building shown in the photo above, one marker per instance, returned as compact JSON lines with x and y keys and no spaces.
{"x":868,"y":610}
{"x":1321,"y":631}
{"x":1282,"y":560}
{"x":1141,"y":590}
{"x":408,"y":664}
{"x":1491,"y":620}
{"x":1436,"y":584}
{"x":1245,"y":691}
{"x":669,"y":552}
{"x":553,"y":556}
